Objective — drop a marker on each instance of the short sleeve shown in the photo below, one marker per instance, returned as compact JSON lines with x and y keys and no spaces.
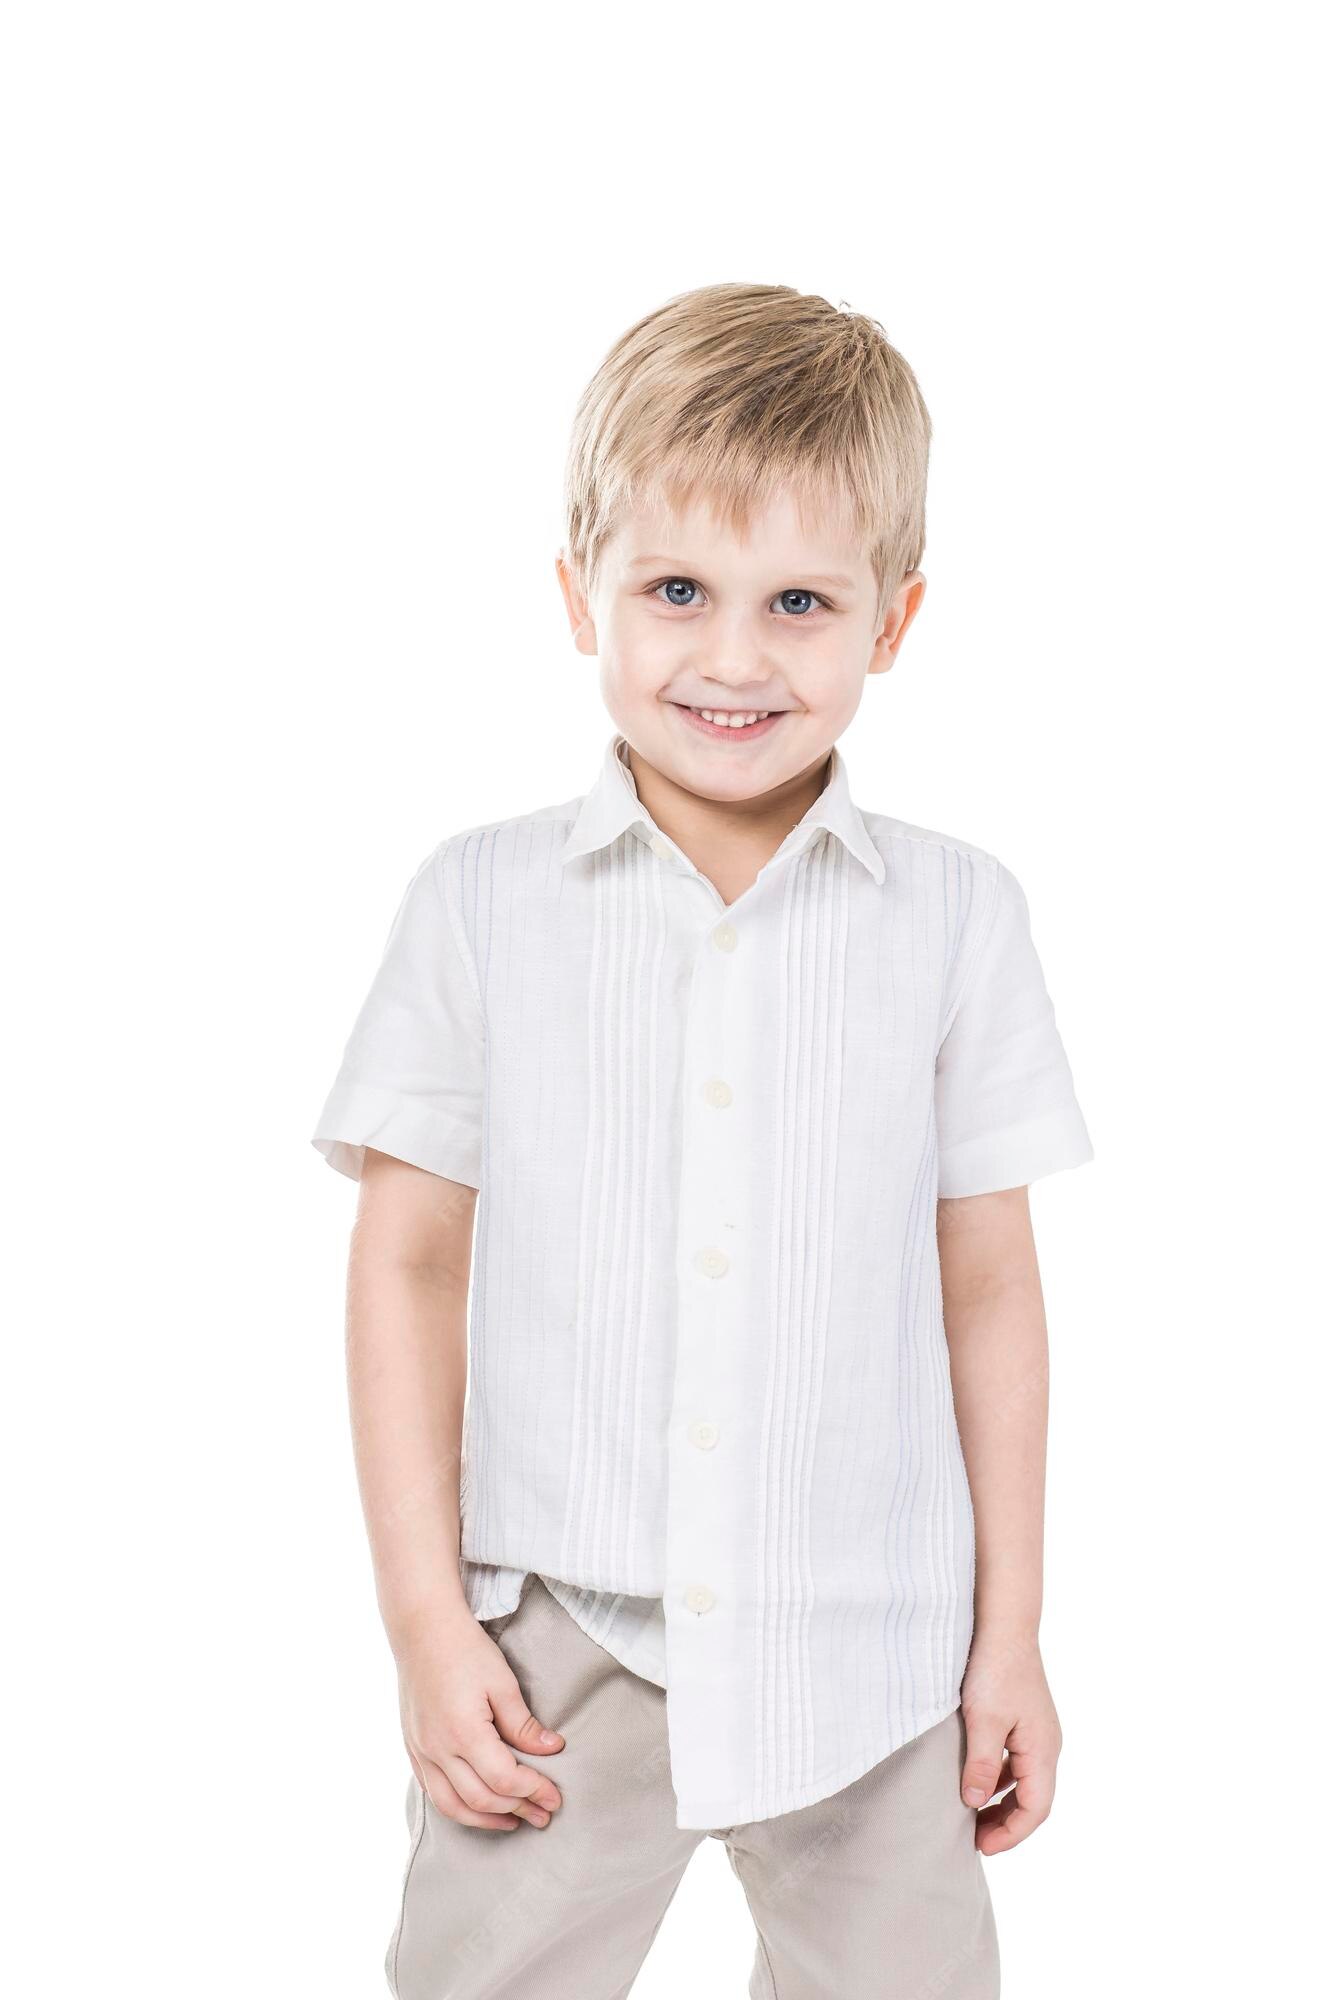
{"x":412,"y":1078}
{"x":1005,"y":1110}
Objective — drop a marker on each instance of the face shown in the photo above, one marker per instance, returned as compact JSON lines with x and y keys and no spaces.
{"x":733,"y":664}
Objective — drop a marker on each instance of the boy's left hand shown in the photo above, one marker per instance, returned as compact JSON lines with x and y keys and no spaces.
{"x":1013,"y":1741}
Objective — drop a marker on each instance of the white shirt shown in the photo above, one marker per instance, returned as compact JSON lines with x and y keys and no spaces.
{"x":707,"y":1364}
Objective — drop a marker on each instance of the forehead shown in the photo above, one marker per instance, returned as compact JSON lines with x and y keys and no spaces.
{"x":787,"y":532}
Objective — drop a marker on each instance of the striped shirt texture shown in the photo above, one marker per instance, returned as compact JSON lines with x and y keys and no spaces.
{"x":708,"y":1392}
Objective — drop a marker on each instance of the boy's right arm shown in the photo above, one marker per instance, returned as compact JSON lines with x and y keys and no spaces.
{"x":461,"y":1703}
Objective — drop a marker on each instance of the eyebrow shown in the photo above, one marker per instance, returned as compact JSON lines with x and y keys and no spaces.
{"x":834,"y":582}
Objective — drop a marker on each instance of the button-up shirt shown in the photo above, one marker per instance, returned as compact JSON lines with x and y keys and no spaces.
{"x":708,"y":1388}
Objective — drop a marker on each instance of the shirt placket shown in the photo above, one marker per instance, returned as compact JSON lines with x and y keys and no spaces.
{"x":709,"y":1595}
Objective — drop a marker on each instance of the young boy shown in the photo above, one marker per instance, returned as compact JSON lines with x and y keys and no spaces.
{"x":746,"y":1085}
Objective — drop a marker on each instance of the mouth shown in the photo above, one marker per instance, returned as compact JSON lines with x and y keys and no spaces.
{"x":741,"y":725}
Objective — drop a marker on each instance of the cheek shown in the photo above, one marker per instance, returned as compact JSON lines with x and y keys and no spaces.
{"x":645,"y":651}
{"x":827,"y":664}
{"x":831,"y":693}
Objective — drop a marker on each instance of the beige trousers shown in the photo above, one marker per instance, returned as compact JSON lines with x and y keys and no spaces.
{"x":876,"y":1893}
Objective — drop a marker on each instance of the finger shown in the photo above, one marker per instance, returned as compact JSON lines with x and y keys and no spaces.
{"x":474,"y":1791}
{"x":448,"y":1804}
{"x":516,"y":1724}
{"x":1012,"y":1818}
{"x":1007,"y":1779}
{"x":985,"y":1754}
{"x":497,"y":1767}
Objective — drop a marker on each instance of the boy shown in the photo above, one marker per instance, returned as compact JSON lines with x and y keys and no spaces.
{"x":746,"y":1086}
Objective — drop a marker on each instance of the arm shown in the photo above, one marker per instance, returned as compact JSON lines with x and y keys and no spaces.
{"x":996,"y":1329}
{"x":407,"y":1368}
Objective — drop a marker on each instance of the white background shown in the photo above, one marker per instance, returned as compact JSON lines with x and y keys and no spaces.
{"x":300,"y":301}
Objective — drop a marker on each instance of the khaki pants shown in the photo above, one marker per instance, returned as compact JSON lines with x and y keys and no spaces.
{"x":876,"y":1893}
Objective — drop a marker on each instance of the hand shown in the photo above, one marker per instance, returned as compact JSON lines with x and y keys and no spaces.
{"x":461,"y":1707}
{"x":1013,"y":1740}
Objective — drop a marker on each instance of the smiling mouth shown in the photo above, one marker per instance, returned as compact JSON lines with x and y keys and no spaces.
{"x":743,"y":723}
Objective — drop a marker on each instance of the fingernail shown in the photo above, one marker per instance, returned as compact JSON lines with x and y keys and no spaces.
{"x":975,"y":1796}
{"x":549,"y":1736}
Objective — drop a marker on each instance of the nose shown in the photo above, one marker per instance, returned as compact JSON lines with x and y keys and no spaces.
{"x":735,"y":674}
{"x":731,"y":663}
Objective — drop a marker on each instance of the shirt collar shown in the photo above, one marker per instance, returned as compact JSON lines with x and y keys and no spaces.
{"x":614,"y":804}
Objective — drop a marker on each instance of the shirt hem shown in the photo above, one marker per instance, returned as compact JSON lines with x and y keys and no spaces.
{"x":603,"y":1628}
{"x":550,"y":1564}
{"x":711,"y":1814}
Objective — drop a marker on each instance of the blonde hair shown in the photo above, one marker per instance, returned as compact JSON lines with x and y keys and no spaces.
{"x":738,"y":392}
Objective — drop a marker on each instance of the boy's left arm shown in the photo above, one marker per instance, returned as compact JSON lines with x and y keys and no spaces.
{"x":995,"y":1322}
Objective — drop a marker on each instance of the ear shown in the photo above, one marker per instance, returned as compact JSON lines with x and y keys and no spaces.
{"x":902,"y":609}
{"x":576,"y":605}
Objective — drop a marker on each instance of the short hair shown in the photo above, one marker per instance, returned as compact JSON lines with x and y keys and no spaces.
{"x":737,"y":392}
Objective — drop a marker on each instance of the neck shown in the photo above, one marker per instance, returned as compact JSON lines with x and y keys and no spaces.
{"x":728,"y":833}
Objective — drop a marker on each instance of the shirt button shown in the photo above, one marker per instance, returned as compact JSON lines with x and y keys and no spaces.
{"x":660,"y":846}
{"x":699,"y":1598}
{"x":704,"y":1434}
{"x":713,"y":1263}
{"x":717,"y":1092}
{"x":724,"y":937}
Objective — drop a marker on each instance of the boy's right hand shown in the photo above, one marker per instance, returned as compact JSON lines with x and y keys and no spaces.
{"x":461,"y":1707}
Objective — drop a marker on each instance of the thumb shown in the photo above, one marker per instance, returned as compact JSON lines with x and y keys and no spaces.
{"x":985,"y":1755}
{"x":518,"y":1726}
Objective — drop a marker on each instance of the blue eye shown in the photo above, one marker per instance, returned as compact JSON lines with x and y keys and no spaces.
{"x":682,"y":592}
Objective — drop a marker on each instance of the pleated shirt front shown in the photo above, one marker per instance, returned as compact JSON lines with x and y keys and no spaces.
{"x":707,"y":1361}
